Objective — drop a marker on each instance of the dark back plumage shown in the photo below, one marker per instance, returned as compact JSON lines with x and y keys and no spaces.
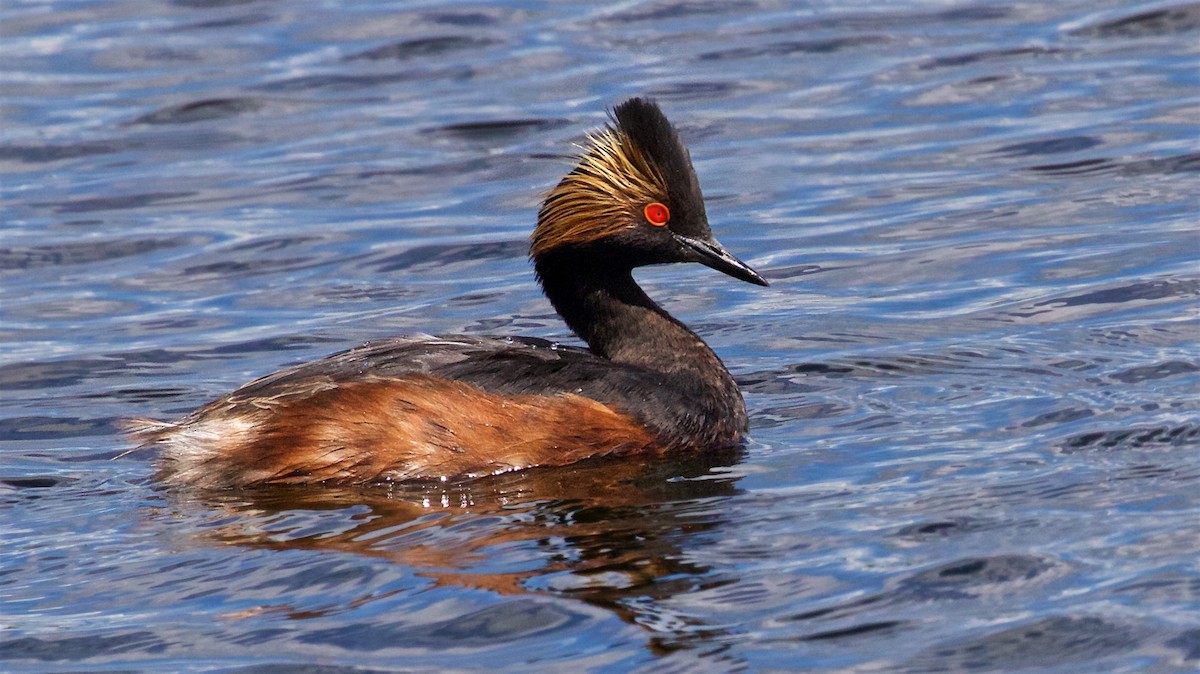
{"x":503,"y":366}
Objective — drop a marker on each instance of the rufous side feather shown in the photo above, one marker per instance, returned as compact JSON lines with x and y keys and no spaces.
{"x":380,"y":430}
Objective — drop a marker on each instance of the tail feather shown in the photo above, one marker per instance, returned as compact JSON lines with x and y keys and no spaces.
{"x":145,"y":432}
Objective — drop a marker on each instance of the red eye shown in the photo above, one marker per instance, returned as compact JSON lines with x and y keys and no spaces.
{"x":656,"y":214}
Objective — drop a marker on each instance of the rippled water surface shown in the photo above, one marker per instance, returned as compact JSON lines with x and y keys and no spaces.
{"x":973,"y":382}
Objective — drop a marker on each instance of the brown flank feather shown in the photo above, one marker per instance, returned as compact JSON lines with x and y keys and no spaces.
{"x":603,"y":195}
{"x":380,"y":430}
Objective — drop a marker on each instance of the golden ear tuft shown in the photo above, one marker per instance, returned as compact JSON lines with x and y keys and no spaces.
{"x":601,"y":196}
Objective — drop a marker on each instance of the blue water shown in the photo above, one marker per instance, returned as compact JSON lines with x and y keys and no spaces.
{"x":973,"y":382}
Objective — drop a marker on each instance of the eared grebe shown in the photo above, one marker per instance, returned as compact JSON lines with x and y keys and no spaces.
{"x":446,"y":408}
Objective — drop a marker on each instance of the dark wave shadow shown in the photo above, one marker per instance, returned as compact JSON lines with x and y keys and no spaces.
{"x":1173,"y":165}
{"x":202,"y":111}
{"x":1153,"y":23}
{"x":422,"y":47}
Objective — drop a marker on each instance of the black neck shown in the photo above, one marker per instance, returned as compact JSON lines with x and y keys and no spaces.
{"x":607,"y":309}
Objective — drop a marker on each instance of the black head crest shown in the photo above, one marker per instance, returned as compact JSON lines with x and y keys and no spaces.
{"x":648,"y":128}
{"x":635,"y":161}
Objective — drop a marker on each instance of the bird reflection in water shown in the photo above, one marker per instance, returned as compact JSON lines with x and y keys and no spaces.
{"x":612,"y":533}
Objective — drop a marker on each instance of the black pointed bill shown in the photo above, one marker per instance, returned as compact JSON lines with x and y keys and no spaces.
{"x":712,"y":254}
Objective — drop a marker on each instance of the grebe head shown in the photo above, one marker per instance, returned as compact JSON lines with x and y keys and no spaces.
{"x":632,"y":200}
